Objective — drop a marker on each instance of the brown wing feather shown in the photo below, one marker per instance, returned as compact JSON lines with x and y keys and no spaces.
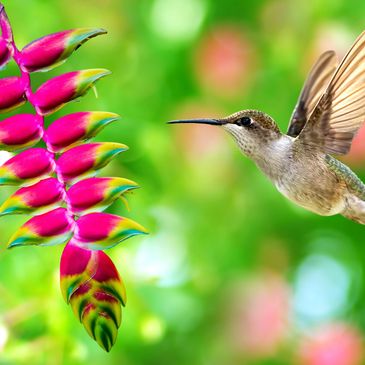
{"x":313,"y":88}
{"x":340,"y":111}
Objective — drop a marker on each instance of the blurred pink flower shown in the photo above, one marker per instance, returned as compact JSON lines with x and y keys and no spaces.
{"x":223,"y":60}
{"x":333,"y":344}
{"x":259,"y":317}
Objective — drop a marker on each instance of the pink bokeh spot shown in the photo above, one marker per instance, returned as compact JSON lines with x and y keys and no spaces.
{"x":333,"y":344}
{"x":224,"y":60}
{"x":258,"y":320}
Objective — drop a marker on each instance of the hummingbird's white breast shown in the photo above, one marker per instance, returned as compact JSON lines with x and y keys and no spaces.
{"x":302,"y":176}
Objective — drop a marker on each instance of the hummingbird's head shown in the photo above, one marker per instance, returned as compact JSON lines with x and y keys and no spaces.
{"x":250,"y":128}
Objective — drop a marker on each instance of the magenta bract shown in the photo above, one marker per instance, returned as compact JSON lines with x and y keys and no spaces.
{"x":77,"y":127}
{"x":12,"y":93}
{"x":20,"y":131}
{"x":88,"y":158}
{"x":91,"y":284}
{"x":77,"y":261}
{"x":29,"y":199}
{"x":51,"y":50}
{"x":97,"y":193}
{"x":47,"y":229}
{"x":56,"y":92}
{"x":27,"y":165}
{"x":99,"y":231}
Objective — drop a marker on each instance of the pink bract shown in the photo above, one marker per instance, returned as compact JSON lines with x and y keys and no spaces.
{"x":12,"y":93}
{"x":20,"y":129}
{"x":31,"y":164}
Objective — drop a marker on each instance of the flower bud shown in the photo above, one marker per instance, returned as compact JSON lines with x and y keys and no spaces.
{"x":76,"y":127}
{"x":56,"y":92}
{"x":97,"y":193}
{"x":99,"y":231}
{"x":28,"y":165}
{"x":81,"y":161}
{"x":45,"y":193}
{"x":47,"y":229}
{"x":52,"y":50}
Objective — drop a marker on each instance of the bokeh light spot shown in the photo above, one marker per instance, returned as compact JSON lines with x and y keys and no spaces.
{"x":321,"y":288}
{"x":4,"y":335}
{"x":177,"y":20}
{"x":152,"y":329}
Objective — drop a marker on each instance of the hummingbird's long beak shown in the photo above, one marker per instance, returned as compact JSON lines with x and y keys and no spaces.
{"x":198,"y":121}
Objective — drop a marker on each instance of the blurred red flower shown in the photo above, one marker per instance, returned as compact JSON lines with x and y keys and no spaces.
{"x":260,"y":315}
{"x":223,"y":60}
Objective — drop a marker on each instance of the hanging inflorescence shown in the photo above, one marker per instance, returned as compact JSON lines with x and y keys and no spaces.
{"x":57,"y":183}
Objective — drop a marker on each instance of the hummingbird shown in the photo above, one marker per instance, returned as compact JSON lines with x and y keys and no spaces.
{"x":300,"y":163}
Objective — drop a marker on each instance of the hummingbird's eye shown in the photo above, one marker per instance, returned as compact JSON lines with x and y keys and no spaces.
{"x":244,"y":121}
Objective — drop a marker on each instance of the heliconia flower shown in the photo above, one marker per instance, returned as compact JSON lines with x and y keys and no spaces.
{"x":5,"y":53}
{"x":64,"y":209}
{"x":99,"y":231}
{"x":12,"y":93}
{"x":81,"y":160}
{"x":76,"y":127}
{"x":56,"y":92}
{"x":51,"y":228}
{"x":97,"y":193}
{"x":91,"y":284}
{"x":26,"y":166}
{"x":20,"y":131}
{"x":52,"y":50}
{"x":45,"y":193}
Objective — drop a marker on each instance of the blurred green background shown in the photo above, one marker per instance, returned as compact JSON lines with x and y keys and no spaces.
{"x":232,"y":273}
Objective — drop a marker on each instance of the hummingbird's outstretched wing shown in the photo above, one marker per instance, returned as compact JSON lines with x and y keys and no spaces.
{"x":313,"y":89}
{"x":340,"y":111}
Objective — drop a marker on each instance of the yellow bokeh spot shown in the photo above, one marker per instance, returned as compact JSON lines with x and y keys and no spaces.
{"x":152,"y":329}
